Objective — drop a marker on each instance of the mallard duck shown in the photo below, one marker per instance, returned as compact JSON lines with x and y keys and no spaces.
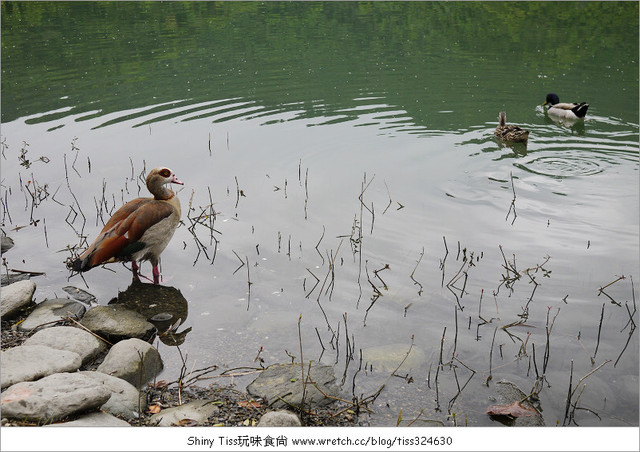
{"x":565,"y":110}
{"x":510,"y":133}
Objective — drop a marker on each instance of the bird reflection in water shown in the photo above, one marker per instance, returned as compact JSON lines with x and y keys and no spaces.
{"x":163,"y":306}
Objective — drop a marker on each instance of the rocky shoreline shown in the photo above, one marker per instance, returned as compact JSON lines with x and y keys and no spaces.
{"x":75,"y":362}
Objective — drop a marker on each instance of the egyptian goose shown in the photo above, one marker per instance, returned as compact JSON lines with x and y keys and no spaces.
{"x":510,"y":133}
{"x":139,"y":230}
{"x":567,"y":110}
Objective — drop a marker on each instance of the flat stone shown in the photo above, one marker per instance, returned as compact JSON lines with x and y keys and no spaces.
{"x":507,"y":393}
{"x":52,"y":311}
{"x":15,"y":297}
{"x":125,"y":401}
{"x":281,"y":418}
{"x":30,"y":362}
{"x":97,"y":419}
{"x":387,"y":358}
{"x":69,"y":338}
{"x":198,"y":411}
{"x":53,"y":398}
{"x":133,"y":360}
{"x":282,"y":385}
{"x":6,"y":243}
{"x":116,"y":323}
{"x":6,"y":279}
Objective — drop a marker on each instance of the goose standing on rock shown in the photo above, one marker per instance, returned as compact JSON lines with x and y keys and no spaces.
{"x":510,"y":133}
{"x":139,"y":230}
{"x":565,"y":110}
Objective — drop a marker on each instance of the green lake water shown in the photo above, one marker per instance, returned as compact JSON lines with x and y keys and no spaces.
{"x":341,"y":175}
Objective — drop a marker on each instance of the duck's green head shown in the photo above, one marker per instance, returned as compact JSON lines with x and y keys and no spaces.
{"x":552,"y":99}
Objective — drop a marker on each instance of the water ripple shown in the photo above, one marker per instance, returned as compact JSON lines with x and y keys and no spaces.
{"x":561,"y":166}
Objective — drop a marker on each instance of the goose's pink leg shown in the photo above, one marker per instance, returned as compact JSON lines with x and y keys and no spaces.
{"x":136,"y":270}
{"x":156,"y":275}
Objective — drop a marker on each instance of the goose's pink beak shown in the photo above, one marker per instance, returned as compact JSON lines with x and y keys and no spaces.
{"x":175,"y":180}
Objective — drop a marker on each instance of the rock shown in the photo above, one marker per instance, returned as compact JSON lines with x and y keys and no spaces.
{"x":282,"y":418}
{"x":125,"y":401}
{"x":6,"y":243}
{"x":51,"y":311}
{"x":81,"y":295}
{"x":284,"y":381}
{"x":508,"y":393}
{"x":30,"y":362}
{"x":98,"y":419}
{"x":53,"y":398}
{"x":198,"y":411}
{"x":6,"y":279}
{"x":116,"y":323}
{"x":133,"y":360}
{"x":387,"y":358}
{"x":15,"y":297}
{"x":69,"y":338}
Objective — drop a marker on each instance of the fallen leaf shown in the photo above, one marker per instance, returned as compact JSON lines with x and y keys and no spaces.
{"x":249,"y":404}
{"x":154,"y":409}
{"x":187,"y":423}
{"x":515,"y":409}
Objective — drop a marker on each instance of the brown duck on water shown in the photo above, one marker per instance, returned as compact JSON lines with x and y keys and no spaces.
{"x":510,"y":133}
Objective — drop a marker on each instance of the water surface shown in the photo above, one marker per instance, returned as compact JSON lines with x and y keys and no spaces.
{"x":349,"y":144}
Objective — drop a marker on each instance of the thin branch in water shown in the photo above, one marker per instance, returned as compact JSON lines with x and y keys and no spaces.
{"x":490,"y":377}
{"x":593,"y":358}
{"x":390,"y":200}
{"x":444,"y":259}
{"x":512,"y":207}
{"x":414,"y":272}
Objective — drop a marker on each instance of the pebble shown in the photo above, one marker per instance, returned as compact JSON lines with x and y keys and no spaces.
{"x":280,"y":418}
{"x":133,"y":360}
{"x":69,"y":338}
{"x":116,"y":323}
{"x":53,"y":398}
{"x":283,"y":382}
{"x":51,"y":311}
{"x":15,"y":297}
{"x":30,"y":362}
{"x":195,"y":412}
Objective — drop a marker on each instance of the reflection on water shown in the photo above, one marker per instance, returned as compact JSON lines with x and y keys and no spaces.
{"x":163,"y":306}
{"x":345,"y":172}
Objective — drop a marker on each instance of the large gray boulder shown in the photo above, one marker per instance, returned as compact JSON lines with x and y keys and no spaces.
{"x":50,"y":311}
{"x":15,"y":297}
{"x":53,"y":398}
{"x":30,"y":362}
{"x":133,"y":360}
{"x":125,"y":401}
{"x":69,"y":338}
{"x":115,"y":323}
